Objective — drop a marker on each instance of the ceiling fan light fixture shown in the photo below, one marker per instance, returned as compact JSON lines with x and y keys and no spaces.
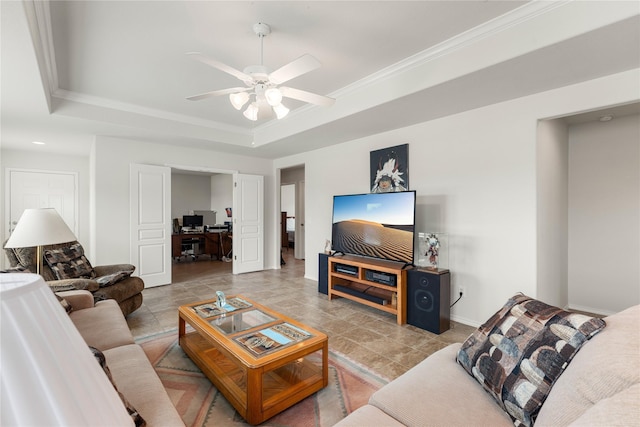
{"x":274,"y":96}
{"x":251,"y":112}
{"x":262,"y":84}
{"x":280,"y":110}
{"x":238,"y":99}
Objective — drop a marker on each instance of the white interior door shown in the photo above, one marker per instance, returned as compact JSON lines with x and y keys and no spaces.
{"x":150,"y":201}
{"x":248,"y":223}
{"x":32,"y":189}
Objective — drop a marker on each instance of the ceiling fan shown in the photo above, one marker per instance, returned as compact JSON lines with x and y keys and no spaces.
{"x":262,"y":85}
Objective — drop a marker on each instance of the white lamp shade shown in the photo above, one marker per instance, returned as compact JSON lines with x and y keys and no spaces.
{"x":280,"y":110}
{"x":238,"y":99}
{"x":251,"y":112}
{"x":274,"y":96}
{"x":39,"y":227}
{"x":48,"y":374}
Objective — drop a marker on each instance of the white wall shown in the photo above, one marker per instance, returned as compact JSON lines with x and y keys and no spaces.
{"x":189,"y":193}
{"x":552,"y":239}
{"x":288,"y":199}
{"x":111,"y":176}
{"x":475,"y":174}
{"x":604,"y":215}
{"x":292,"y":175}
{"x":221,"y":195}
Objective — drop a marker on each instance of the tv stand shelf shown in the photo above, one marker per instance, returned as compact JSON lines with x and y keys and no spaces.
{"x":351,"y":282}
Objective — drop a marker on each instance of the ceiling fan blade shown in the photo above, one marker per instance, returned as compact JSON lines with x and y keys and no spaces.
{"x":293,"y":69}
{"x":222,"y":67}
{"x":218,"y":93}
{"x":303,"y":95}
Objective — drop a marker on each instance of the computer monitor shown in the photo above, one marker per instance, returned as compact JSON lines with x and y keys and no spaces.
{"x":192,"y":221}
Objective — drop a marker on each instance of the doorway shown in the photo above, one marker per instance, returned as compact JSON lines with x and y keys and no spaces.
{"x":292,"y":192}
{"x":196,"y":192}
{"x":587,"y":171}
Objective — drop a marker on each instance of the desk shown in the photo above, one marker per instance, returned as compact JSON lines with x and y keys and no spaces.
{"x":214,"y":243}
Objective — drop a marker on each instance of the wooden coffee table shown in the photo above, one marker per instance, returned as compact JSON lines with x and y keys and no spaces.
{"x":262,"y":361}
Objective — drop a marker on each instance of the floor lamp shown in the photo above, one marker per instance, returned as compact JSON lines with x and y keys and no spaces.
{"x":39,"y":227}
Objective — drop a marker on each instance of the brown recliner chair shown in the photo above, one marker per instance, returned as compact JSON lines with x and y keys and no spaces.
{"x":64,"y":268}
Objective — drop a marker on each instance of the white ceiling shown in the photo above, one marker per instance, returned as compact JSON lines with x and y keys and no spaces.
{"x":118,"y":68}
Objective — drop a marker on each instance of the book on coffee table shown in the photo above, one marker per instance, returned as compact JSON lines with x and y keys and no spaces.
{"x":266,"y":340}
{"x":212,"y":309}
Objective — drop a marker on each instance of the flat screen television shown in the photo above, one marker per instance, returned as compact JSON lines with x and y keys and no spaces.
{"x":375,"y":225}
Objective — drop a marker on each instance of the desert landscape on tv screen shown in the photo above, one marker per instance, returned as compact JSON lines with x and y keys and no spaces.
{"x":375,"y":225}
{"x":373,"y":240}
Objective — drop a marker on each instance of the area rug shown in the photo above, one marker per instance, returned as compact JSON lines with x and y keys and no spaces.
{"x":201,"y":404}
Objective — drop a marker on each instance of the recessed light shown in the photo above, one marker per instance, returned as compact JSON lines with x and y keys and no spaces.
{"x":38,"y":142}
{"x":606,"y":118}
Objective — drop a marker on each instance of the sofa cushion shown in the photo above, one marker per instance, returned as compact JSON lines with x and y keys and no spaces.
{"x":78,"y":299}
{"x":437,"y":391}
{"x":135,"y":378}
{"x":368,"y":415}
{"x":520,"y":352}
{"x":102,"y":326}
{"x":621,"y":409}
{"x":603,"y":374}
{"x":69,"y":262}
{"x":137,"y":419}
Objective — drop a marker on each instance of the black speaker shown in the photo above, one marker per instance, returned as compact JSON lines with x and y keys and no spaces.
{"x":323,"y":273}
{"x":428,"y":299}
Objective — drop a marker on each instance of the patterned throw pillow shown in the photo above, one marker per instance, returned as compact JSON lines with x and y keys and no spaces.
{"x":64,"y":303}
{"x":69,"y":262}
{"x":137,"y":419}
{"x":520,"y":352}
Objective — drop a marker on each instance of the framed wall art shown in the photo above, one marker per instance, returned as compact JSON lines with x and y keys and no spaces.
{"x":390,"y":169}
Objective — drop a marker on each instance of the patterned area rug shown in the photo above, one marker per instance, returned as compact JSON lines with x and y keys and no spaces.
{"x":201,"y":404}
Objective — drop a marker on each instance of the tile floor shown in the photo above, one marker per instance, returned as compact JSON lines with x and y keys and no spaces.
{"x":366,"y":335}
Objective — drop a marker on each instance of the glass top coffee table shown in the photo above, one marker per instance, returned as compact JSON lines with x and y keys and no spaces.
{"x":262,"y":361}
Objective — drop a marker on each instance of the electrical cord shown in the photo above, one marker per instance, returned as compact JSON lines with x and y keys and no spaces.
{"x":454,"y":303}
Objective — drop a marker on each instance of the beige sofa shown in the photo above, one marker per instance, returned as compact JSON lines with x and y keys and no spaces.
{"x":104,"y":327}
{"x":600,"y":387}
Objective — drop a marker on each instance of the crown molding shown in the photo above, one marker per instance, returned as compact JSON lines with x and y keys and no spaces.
{"x":38,"y":16}
{"x":110,"y":104}
{"x":39,"y":20}
{"x":474,"y":35}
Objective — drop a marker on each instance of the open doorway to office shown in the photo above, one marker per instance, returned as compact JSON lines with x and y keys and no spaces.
{"x":210,"y":195}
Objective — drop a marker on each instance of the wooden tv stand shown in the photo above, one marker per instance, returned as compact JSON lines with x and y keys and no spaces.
{"x":350,"y":277}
